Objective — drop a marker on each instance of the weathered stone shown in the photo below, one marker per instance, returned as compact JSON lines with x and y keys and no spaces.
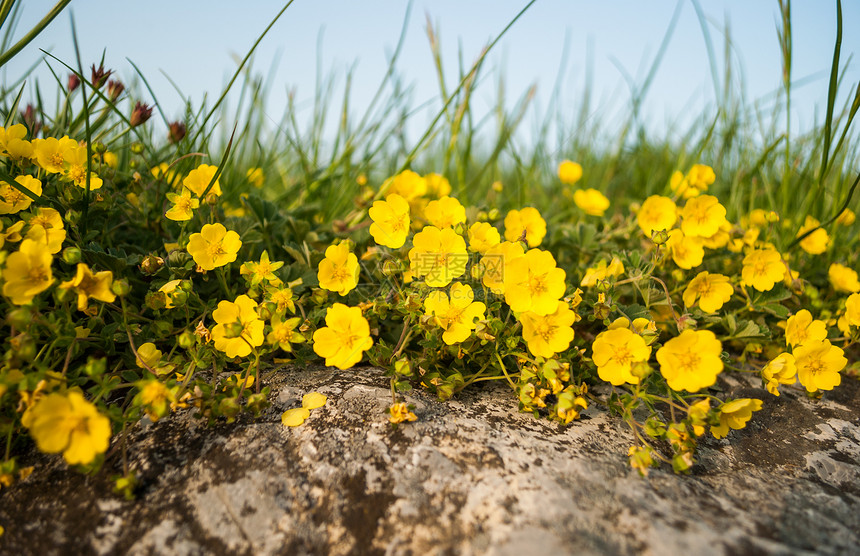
{"x":471,"y":476}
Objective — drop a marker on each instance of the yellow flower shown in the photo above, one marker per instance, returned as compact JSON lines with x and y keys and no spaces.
{"x":87,"y":285}
{"x":779,"y":370}
{"x":390,"y":221}
{"x":12,"y":200}
{"x":445,"y":212}
{"x":255,"y":177}
{"x":339,"y":270}
{"x":149,"y":357}
{"x":345,"y":337}
{"x":437,"y":186}
{"x":111,"y":159}
{"x":75,"y":168}
{"x":51,"y":153}
{"x":701,"y":176}
{"x":494,"y":263}
{"x":657,"y":213}
{"x":549,"y":334}
{"x":801,"y":328}
{"x":438,"y":255}
{"x":71,"y":425}
{"x":27,"y":272}
{"x":527,"y":221}
{"x":569,"y":172}
{"x":183,"y":205}
{"x":164,"y":170}
{"x":214,"y":246}
{"x":283,"y":298}
{"x":262,"y":271}
{"x":46,"y":227}
{"x":712,"y":291}
{"x":483,"y":236}
{"x":698,"y":414}
{"x":15,"y":132}
{"x":818,"y":365}
{"x":456,"y":315}
{"x":399,"y":412}
{"x":680,"y":186}
{"x":852,"y":309}
{"x":239,"y":328}
{"x":816,"y":242}
{"x":846,"y":217}
{"x":155,"y":397}
{"x":407,"y":184}
{"x":763,"y":268}
{"x":615,"y":353}
{"x":284,"y":333}
{"x":843,"y":279}
{"x":590,"y":200}
{"x":198,"y":180}
{"x":691,"y":361}
{"x":686,"y":251}
{"x":720,"y":239}
{"x":703,"y":216}
{"x":534,"y":283}
{"x":734,"y":415}
{"x":602,"y":271}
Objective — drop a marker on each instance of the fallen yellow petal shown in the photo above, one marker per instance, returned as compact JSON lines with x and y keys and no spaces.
{"x":295,"y":417}
{"x":313,"y":400}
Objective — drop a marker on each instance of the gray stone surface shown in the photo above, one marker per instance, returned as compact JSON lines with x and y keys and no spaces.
{"x":472,"y":476}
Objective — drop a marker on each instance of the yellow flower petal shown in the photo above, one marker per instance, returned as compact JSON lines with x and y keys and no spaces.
{"x":313,"y":400}
{"x":295,"y":417}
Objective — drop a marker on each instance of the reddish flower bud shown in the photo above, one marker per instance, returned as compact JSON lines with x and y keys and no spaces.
{"x":114,"y":89}
{"x":176,"y":132}
{"x":140,"y":114}
{"x":74,"y":82}
{"x":99,"y":76}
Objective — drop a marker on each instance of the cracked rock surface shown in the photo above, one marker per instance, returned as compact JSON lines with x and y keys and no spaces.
{"x":471,"y":476}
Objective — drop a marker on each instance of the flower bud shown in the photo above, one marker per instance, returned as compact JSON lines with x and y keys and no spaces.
{"x":71,"y":255}
{"x":99,"y":147}
{"x":659,"y":237}
{"x":137,"y":147}
{"x":186,"y":340}
{"x":176,"y":132}
{"x":114,"y":89}
{"x":121,"y":287}
{"x":19,"y":318}
{"x":95,"y":366}
{"x":74,"y":82}
{"x":233,"y":330}
{"x":151,"y":264}
{"x":99,"y":76}
{"x":156,"y":300}
{"x":140,"y":114}
{"x":23,"y":346}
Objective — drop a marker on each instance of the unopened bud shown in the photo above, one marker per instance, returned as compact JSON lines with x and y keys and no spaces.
{"x":659,"y":237}
{"x":151,"y":264}
{"x":121,"y":287}
{"x":71,"y":255}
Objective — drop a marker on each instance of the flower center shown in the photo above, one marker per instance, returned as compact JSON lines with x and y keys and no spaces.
{"x":689,"y":361}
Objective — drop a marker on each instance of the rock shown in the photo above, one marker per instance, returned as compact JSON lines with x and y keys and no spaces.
{"x":471,"y":476}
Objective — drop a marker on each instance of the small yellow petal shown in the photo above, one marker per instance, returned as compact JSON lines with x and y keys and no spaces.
{"x":313,"y":400}
{"x":295,"y":417}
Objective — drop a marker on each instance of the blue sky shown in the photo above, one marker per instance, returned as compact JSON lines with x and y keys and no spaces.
{"x":196,"y":42}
